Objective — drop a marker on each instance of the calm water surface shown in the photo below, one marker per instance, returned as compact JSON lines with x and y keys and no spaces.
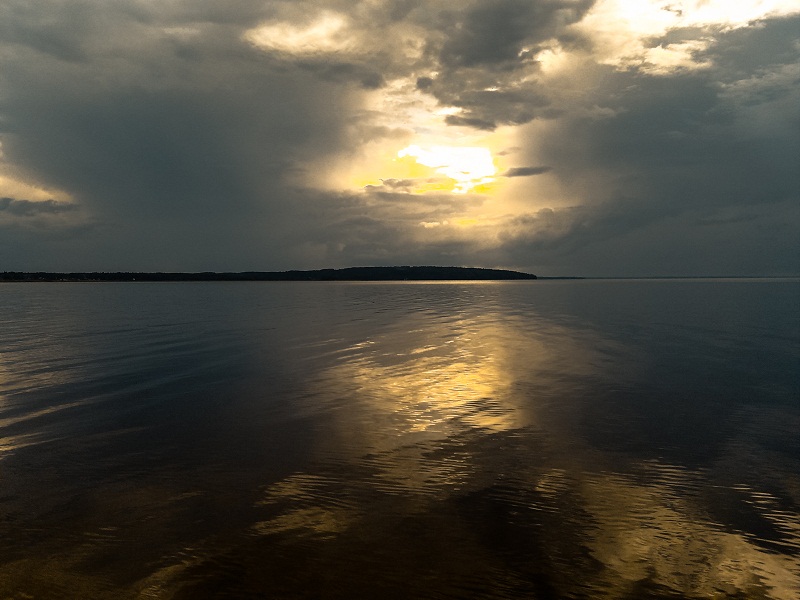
{"x":546,"y":439}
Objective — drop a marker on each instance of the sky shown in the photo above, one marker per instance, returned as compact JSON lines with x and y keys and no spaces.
{"x":558,"y":137}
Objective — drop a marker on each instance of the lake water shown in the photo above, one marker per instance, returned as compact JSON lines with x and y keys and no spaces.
{"x":547,"y":439}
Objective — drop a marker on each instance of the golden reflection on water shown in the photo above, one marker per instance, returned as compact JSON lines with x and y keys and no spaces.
{"x":412,"y":415}
{"x":444,"y":380}
{"x":467,"y":436}
{"x":431,"y":393}
{"x":645,"y":532}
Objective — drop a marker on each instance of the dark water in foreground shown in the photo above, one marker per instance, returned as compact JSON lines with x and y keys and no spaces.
{"x":547,"y":439}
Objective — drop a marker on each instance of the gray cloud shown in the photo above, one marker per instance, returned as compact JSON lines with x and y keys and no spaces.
{"x":683,"y":141}
{"x":402,"y":185}
{"x":584,"y":241}
{"x":692,"y":174}
{"x":526,"y":171}
{"x":368,"y":77}
{"x":27,"y":208}
{"x":199,"y":132}
{"x":473,"y":122}
{"x":485,"y":50}
{"x":495,"y":32}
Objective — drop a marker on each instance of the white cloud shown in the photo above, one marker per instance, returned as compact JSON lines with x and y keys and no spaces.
{"x":625,"y":32}
{"x":328,"y":32}
{"x":671,"y":57}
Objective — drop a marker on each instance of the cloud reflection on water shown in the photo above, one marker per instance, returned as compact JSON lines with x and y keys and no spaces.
{"x":648,"y":533}
{"x":489,"y":408}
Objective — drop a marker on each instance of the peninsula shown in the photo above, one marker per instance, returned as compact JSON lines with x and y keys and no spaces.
{"x":405,"y":273}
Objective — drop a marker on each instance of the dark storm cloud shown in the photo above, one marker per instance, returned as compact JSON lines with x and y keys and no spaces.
{"x":41,"y":232}
{"x":494,"y":33}
{"x":342,"y":72}
{"x":342,"y":229}
{"x":488,"y":33}
{"x":27,"y":208}
{"x":695,"y":173}
{"x":526,"y":171}
{"x":403,"y":185}
{"x":473,"y":122}
{"x":202,"y":150}
{"x":684,"y":140}
{"x":398,"y":183}
{"x":424,"y":83}
{"x":382,"y":226}
{"x":619,"y":239}
{"x":162,"y":122}
{"x":487,"y":106}
{"x":58,"y":31}
{"x":166,"y":125}
{"x":486,"y":46}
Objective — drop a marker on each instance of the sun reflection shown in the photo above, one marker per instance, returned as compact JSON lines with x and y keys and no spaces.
{"x":444,"y":380}
{"x":435,"y":389}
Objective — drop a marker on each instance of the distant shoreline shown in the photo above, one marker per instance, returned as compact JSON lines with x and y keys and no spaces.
{"x":404,"y":273}
{"x":349,"y":274}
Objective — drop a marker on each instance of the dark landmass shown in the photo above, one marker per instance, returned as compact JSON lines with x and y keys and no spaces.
{"x":349,"y":274}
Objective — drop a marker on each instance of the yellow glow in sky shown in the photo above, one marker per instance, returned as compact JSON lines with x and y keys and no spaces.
{"x":10,"y":186}
{"x":467,"y":166}
{"x":437,"y":157}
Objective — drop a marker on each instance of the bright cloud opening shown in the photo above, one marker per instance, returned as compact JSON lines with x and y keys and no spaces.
{"x":468,"y":167}
{"x":622,"y":29}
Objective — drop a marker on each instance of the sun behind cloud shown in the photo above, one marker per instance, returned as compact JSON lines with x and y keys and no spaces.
{"x":468,"y":167}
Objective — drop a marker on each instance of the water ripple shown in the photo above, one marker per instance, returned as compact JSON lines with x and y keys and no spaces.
{"x":532,"y":440}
